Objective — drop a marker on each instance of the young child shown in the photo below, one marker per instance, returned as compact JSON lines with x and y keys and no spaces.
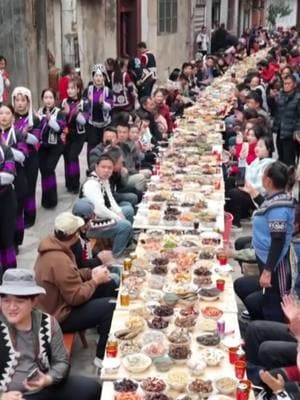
{"x":135,"y":136}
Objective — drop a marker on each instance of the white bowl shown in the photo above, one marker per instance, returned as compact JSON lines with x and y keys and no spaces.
{"x":226,"y":390}
{"x":111,"y":365}
{"x":212,"y":356}
{"x":130,"y":362}
{"x":196,"y":367}
{"x":179,"y":385}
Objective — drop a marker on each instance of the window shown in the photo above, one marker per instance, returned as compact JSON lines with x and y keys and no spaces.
{"x":167,"y":16}
{"x":200,"y":3}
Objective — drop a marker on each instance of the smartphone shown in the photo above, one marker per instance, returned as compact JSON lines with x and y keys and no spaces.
{"x":33,"y":374}
{"x":240,"y":179}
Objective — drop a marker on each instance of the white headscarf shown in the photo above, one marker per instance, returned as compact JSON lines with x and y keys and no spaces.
{"x":24,"y":92}
{"x":99,"y":69}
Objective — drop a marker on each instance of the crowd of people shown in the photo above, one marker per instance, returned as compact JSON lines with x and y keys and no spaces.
{"x":124,"y":115}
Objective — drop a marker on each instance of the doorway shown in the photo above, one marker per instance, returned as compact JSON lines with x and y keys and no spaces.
{"x":129,"y":27}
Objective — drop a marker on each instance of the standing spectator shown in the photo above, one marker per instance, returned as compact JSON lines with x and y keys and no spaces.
{"x":26,"y":121}
{"x":219,"y":38}
{"x":202,"y":41}
{"x":52,"y":126}
{"x":101,"y":101}
{"x":287,"y":120}
{"x":18,"y":142}
{"x":76,"y":112}
{"x":124,"y":91}
{"x":66,"y":75}
{"x":273,"y":225}
{"x":8,"y":209}
{"x":5,"y":77}
{"x":109,"y":67}
{"x":148,"y":61}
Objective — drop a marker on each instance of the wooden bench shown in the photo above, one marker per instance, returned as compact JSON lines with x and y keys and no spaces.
{"x":69,"y":339}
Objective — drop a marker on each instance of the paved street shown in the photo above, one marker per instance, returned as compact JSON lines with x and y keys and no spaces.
{"x":81,"y":358}
{"x":45,"y":218}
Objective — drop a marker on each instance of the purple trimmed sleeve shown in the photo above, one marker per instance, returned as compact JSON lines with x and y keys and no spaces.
{"x":9,"y":164}
{"x":9,"y":167}
{"x":61,"y":120}
{"x":109,"y":100}
{"x":23,"y":147}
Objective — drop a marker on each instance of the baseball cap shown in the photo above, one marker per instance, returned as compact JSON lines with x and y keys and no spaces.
{"x":68,"y":223}
{"x":83,"y":208}
{"x":20,"y":282}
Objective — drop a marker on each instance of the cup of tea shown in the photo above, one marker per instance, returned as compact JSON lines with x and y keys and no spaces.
{"x":124,"y":298}
{"x":232,"y":354}
{"x":240,"y":369}
{"x":220,"y":284}
{"x":222,"y":257}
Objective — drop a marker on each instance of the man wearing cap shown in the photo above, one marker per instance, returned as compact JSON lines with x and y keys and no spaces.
{"x":85,"y":209}
{"x":34,"y":363}
{"x":78,"y":298}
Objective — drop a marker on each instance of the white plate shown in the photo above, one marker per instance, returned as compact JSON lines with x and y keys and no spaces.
{"x":219,"y":397}
{"x":231,"y":342}
{"x":151,"y":295}
{"x":209,"y":299}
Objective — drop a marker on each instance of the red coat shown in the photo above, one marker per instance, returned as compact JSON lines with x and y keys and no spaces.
{"x":164,"y":110}
{"x":62,"y":87}
{"x":269,"y":72}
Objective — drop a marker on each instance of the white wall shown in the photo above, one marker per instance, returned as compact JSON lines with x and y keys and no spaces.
{"x":97,"y":33}
{"x":171,"y":50}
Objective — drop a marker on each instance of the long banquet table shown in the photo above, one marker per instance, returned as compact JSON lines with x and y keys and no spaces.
{"x":187,"y":188}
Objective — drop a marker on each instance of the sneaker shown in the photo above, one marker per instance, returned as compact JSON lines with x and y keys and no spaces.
{"x":245,"y":314}
{"x":98,"y":362}
{"x":236,"y":228}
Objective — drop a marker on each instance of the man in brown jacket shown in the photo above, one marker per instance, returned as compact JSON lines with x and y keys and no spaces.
{"x":78,"y":298}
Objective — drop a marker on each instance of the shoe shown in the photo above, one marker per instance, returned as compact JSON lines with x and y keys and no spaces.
{"x":236,"y":228}
{"x":98,"y":362}
{"x":245,"y":314}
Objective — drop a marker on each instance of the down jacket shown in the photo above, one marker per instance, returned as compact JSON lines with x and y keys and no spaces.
{"x":287,"y":117}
